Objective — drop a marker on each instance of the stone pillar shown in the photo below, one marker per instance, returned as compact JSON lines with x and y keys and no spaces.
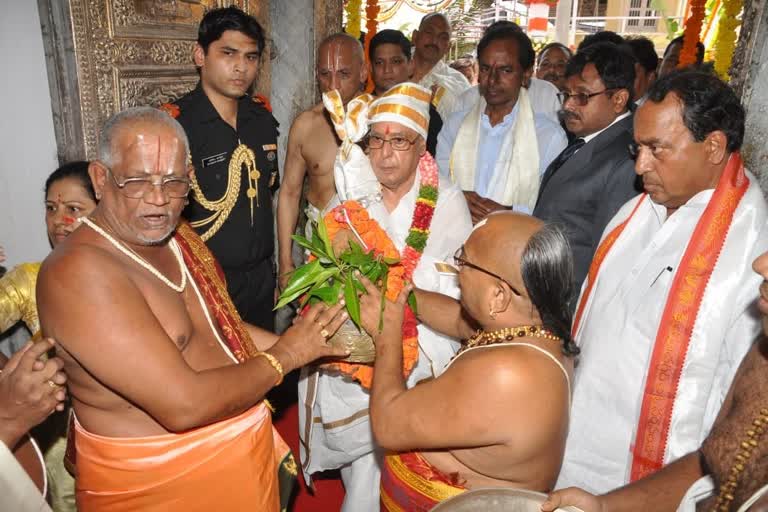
{"x":749,"y":76}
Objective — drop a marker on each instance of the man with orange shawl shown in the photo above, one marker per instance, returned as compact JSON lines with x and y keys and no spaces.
{"x":167,"y":382}
{"x":667,"y":312}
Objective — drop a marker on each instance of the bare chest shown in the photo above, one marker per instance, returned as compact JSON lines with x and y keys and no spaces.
{"x":187,"y":321}
{"x":320,"y":148}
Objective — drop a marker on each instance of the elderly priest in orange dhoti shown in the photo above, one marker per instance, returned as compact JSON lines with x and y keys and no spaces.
{"x":498,"y":415}
{"x":167,"y":382}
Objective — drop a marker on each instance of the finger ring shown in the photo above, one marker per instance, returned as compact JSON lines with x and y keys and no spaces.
{"x":324,"y":333}
{"x":52,"y":384}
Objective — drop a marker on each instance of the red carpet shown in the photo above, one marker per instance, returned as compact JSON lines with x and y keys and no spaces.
{"x":329,"y":491}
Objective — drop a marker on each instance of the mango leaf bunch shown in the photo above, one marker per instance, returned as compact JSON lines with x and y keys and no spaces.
{"x":329,"y":276}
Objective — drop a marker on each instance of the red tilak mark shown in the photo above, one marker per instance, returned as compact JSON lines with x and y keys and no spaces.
{"x":69,"y":220}
{"x":386,"y":130}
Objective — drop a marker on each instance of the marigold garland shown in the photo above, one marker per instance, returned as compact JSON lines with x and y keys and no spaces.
{"x":371,"y":27}
{"x":400,"y":273}
{"x":353,"y":18}
{"x":691,"y":33}
{"x":725,"y":42}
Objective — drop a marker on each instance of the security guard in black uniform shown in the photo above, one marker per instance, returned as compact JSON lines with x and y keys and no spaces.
{"x":233,"y":144}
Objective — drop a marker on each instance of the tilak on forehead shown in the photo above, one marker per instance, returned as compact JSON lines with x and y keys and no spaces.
{"x":154,"y":152}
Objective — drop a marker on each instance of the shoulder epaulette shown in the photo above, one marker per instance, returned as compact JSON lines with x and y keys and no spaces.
{"x":262,"y":100}
{"x":171,"y":109}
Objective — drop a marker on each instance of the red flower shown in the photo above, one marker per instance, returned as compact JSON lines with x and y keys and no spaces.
{"x":171,"y":109}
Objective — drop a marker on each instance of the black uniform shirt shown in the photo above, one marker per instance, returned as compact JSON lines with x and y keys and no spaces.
{"x":238,"y":245}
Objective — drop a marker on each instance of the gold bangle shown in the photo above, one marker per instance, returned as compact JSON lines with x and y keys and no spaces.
{"x":275,"y":364}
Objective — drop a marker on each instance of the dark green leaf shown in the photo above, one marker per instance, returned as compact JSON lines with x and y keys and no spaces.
{"x":383,"y":299}
{"x":353,"y":302}
{"x":322,"y":231}
{"x":288,"y":298}
{"x":412,"y":303}
{"x":326,"y":293}
{"x":302,"y":278}
{"x":303,"y":242}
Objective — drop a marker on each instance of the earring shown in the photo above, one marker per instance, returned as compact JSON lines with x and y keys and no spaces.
{"x":492,"y":313}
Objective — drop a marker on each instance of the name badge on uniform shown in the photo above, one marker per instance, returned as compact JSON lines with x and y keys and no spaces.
{"x":270,"y":149}
{"x":215,"y":159}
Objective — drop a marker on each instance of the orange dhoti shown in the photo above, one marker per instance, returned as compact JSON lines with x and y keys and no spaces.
{"x":231,"y":465}
{"x":409,"y":483}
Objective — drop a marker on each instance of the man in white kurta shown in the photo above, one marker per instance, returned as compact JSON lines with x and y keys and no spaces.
{"x":431,"y":43}
{"x":633,"y":287}
{"x":333,"y":411}
{"x":499,"y":148}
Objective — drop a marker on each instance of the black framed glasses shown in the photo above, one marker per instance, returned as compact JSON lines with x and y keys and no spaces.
{"x":581,"y":98}
{"x":397,"y":143}
{"x":460,"y":262}
{"x":137,"y":188}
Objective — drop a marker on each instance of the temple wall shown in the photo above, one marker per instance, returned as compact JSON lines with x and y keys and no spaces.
{"x":27,"y":139}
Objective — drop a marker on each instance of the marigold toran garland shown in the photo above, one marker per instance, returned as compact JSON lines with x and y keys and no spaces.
{"x":691,"y":33}
{"x":353,"y":18}
{"x":725,"y":43}
{"x":371,"y":26}
{"x":376,"y":238}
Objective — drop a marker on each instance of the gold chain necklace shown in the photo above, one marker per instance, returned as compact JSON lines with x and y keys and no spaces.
{"x":506,"y":335}
{"x":141,"y":261}
{"x":223,"y":206}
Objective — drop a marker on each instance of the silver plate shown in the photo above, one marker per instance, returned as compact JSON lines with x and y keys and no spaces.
{"x":497,"y":499}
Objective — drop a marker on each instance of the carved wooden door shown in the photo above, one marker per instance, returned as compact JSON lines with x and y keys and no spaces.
{"x":108,"y":55}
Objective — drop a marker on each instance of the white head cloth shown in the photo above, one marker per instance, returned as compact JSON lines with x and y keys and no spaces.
{"x":352,"y":170}
{"x":406,"y":104}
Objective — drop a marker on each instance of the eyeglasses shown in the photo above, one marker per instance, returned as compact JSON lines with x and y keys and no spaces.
{"x":397,"y":143}
{"x":136,"y":188}
{"x":460,"y":262}
{"x":580,"y":98}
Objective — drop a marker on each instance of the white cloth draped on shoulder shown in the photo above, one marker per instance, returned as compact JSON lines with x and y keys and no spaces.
{"x":619,"y":326}
{"x":516,"y":176}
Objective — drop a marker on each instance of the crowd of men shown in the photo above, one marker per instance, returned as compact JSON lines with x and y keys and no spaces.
{"x":588,"y":253}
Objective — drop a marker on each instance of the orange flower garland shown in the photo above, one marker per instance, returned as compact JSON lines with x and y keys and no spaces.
{"x":691,"y":34}
{"x":375,"y":238}
{"x":371,"y":26}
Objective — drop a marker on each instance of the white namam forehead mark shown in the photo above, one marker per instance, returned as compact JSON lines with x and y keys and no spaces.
{"x":157,"y":155}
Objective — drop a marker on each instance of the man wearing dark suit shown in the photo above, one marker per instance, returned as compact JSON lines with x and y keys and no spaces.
{"x":588,"y":182}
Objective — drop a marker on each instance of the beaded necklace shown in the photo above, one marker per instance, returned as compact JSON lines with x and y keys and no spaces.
{"x":506,"y":335}
{"x":141,"y":261}
{"x":747,"y":446}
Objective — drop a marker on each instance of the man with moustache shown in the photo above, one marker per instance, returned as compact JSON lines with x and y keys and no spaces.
{"x":542,"y":94}
{"x":551,"y":62}
{"x":233,"y":145}
{"x":667,"y":312}
{"x":498,"y":150}
{"x":588,"y":182}
{"x":167,"y":382}
{"x":312,"y":143}
{"x":737,"y":474}
{"x":431,"y":42}
{"x":391,"y":64}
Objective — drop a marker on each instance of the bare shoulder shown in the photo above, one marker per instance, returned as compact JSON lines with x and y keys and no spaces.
{"x":78,"y":260}
{"x":511,"y":370}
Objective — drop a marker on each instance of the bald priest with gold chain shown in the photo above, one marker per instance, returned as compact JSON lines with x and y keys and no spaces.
{"x":233,"y":143}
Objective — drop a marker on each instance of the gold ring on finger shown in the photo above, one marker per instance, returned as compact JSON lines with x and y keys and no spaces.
{"x":52,"y":384}
{"x":324,"y":333}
